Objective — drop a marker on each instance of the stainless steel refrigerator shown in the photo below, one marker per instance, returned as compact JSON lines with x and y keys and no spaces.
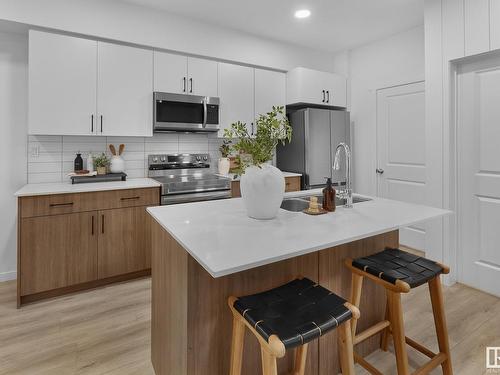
{"x":316,"y":134}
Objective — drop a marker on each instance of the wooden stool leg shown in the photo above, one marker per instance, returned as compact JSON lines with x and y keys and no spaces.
{"x":356,"y":286}
{"x":346,"y":348}
{"x":300,"y":360}
{"x":398,"y":331}
{"x":237,"y":346}
{"x":384,"y":340}
{"x":269,"y":366}
{"x":436,"y":293}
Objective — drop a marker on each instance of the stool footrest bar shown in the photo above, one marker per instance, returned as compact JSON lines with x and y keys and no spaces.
{"x":369,"y":332}
{"x":366,"y":365}
{"x":433,"y":363}
{"x":422,"y":349}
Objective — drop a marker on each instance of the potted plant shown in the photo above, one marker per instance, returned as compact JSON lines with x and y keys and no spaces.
{"x":262,"y":185}
{"x":224,"y":163}
{"x":101,"y":163}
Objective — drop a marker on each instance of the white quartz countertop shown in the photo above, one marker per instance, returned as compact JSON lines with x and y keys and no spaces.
{"x":67,"y":187}
{"x":224,"y":240}
{"x":235,"y":177}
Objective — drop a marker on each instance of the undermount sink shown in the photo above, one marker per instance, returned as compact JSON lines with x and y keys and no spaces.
{"x":298,"y":204}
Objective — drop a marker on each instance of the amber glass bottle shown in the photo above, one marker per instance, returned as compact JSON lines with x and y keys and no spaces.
{"x":329,"y":196}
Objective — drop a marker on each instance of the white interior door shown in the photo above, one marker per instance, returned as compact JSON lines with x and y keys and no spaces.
{"x":479,"y":174}
{"x":401,"y":151}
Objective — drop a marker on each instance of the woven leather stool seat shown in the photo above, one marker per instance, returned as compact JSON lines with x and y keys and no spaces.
{"x":394,"y":264}
{"x":297,"y":312}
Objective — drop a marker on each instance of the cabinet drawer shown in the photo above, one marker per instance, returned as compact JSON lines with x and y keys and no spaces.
{"x":57,"y":204}
{"x":292,"y":184}
{"x":50,"y":205}
{"x":104,"y":200}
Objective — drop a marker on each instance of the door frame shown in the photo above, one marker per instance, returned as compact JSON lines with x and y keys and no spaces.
{"x":452,"y":168}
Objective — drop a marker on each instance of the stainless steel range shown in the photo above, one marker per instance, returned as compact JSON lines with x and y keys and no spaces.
{"x":187,"y":178}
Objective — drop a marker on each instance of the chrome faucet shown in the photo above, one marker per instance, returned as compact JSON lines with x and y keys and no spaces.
{"x":347,"y":192}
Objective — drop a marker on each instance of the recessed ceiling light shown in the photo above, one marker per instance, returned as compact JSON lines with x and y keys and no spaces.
{"x":302,"y":13}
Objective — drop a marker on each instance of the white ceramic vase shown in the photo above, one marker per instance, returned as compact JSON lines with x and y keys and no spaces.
{"x":262,"y":190}
{"x":224,"y":165}
{"x":117,"y":164}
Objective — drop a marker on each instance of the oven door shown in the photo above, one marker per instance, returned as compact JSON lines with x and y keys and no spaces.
{"x":195,"y":197}
{"x":178,"y":112}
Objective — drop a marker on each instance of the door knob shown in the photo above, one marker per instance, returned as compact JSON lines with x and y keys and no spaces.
{"x":380,"y":171}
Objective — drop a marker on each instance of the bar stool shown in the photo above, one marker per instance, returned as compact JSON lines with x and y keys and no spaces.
{"x":398,"y":271}
{"x":291,"y":316}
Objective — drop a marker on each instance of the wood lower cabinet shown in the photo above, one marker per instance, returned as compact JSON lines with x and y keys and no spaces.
{"x":124,"y":241}
{"x":70,"y":242}
{"x":291,"y":184}
{"x":58,"y":251}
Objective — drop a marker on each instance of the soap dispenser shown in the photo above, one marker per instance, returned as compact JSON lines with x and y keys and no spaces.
{"x":329,"y":196}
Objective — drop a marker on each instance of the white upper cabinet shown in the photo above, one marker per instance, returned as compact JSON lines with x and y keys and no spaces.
{"x":315,"y":87}
{"x":236,"y":91}
{"x":170,"y":73}
{"x":202,"y":77}
{"x":270,"y":90}
{"x":62,"y":84}
{"x":477,"y":26}
{"x":125,"y":90}
{"x":185,"y":75}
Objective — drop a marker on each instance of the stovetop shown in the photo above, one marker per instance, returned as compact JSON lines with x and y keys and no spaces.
{"x":185,"y":173}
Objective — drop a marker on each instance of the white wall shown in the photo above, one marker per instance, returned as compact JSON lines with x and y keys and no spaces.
{"x":13,"y":125}
{"x":133,"y":24}
{"x":393,"y":61}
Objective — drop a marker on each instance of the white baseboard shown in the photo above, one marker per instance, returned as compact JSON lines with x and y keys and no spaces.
{"x":7,"y":276}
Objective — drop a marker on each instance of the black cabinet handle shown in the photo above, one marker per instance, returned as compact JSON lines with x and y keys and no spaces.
{"x":323,"y":91}
{"x":129,"y":198}
{"x":252,"y":128}
{"x":102,"y":224}
{"x":183,"y":84}
{"x":328,"y":96}
{"x":101,"y":123}
{"x":92,"y":124}
{"x":190,"y":85}
{"x":61,"y":204}
{"x":92,"y":224}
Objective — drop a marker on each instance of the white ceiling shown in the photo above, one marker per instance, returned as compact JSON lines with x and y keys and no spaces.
{"x":334,"y":25}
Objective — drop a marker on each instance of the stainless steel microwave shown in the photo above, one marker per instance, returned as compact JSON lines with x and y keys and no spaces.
{"x":185,"y":113}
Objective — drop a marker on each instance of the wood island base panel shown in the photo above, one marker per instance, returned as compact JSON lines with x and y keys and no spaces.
{"x":191,"y":323}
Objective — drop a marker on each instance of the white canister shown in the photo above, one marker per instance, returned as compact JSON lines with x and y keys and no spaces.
{"x":117,"y":164}
{"x":224,"y":165}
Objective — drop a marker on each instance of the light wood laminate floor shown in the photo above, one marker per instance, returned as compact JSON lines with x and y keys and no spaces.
{"x":106,"y":331}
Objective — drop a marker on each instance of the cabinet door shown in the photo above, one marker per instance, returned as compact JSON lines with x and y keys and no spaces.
{"x":236,"y":91}
{"x":62,"y":84}
{"x":337,"y":91}
{"x":306,"y":86}
{"x":203,"y":77}
{"x":124,"y":241}
{"x":494,"y":25}
{"x":125,"y":90}
{"x":270,"y":90}
{"x":170,"y":73}
{"x":57,"y":251}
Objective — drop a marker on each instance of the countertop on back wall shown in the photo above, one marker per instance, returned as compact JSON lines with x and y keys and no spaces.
{"x":235,"y":177}
{"x":67,"y":187}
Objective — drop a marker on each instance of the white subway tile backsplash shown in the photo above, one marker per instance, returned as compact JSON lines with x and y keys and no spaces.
{"x":51,"y":158}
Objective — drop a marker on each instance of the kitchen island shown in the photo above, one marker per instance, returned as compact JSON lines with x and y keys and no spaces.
{"x":205,"y":252}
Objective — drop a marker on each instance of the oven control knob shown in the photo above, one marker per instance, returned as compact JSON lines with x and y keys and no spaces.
{"x":198,"y":158}
{"x":155,"y":159}
{"x":163,"y":159}
{"x":205,"y":158}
